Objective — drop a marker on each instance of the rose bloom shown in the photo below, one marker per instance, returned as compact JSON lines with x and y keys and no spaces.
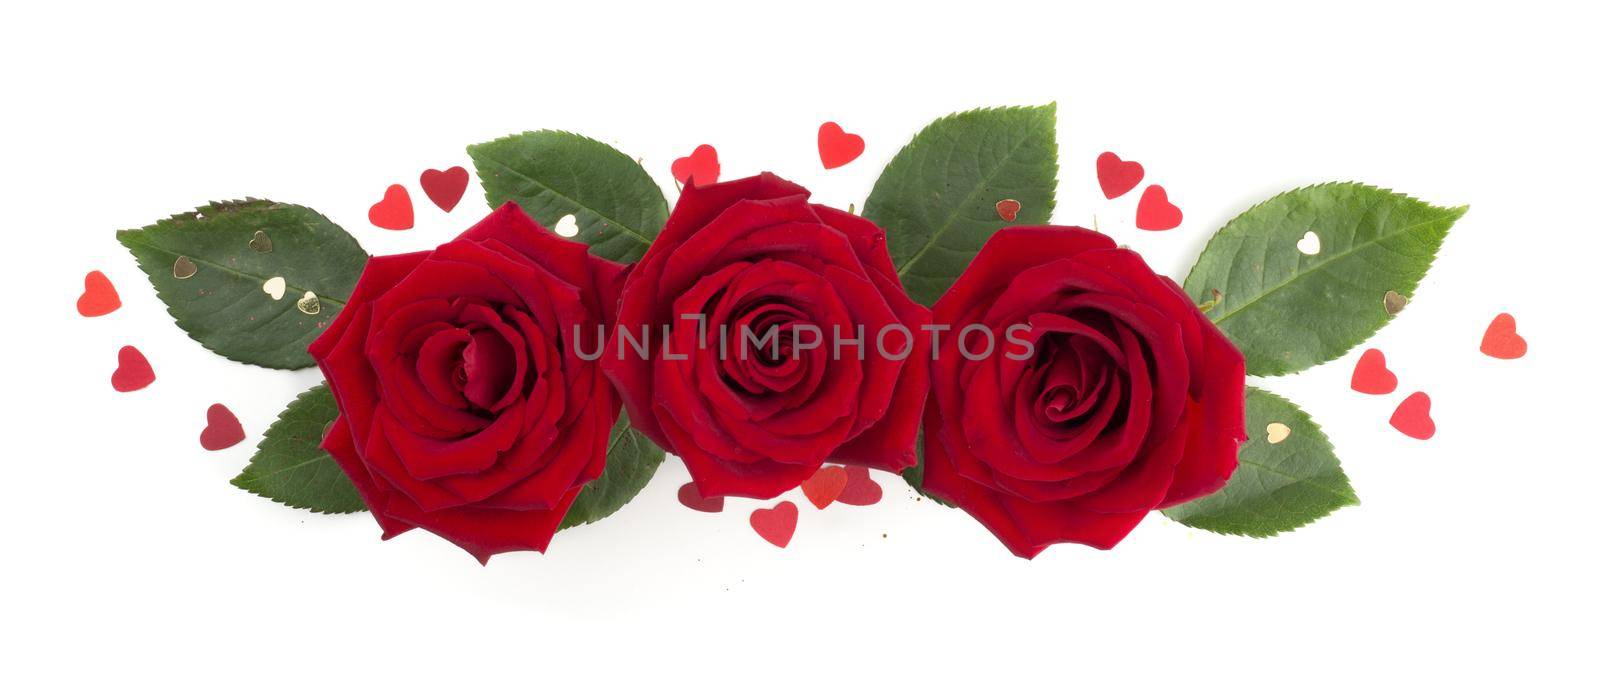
{"x":1130,"y":399}
{"x":754,"y":255}
{"x":463,"y":407}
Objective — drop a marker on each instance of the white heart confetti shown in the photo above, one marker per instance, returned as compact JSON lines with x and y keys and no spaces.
{"x":567,"y":226}
{"x":275,"y":287}
{"x":1309,"y":244}
{"x":1276,"y":432}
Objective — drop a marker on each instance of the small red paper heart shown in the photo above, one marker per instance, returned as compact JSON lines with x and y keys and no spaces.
{"x":394,"y":211}
{"x":133,"y":370}
{"x":776,"y":525}
{"x":1116,"y":176}
{"x":701,"y":165}
{"x":1412,"y":418}
{"x":222,"y":428}
{"x":861,"y":490}
{"x":1155,"y":212}
{"x":1372,"y":375}
{"x":1501,"y":339}
{"x":689,"y":495}
{"x":1008,"y":208}
{"x":99,"y":296}
{"x":836,"y":147}
{"x":825,"y":485}
{"x":444,"y":188}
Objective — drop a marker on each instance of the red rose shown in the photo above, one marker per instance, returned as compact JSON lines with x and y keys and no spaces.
{"x":750,"y":259}
{"x":464,"y":408}
{"x":1128,"y":400}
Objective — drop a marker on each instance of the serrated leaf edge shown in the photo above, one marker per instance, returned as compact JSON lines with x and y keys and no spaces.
{"x":1345,"y":498}
{"x":242,"y":481}
{"x":921,"y":137}
{"x":1453,"y":214}
{"x":478,"y":160}
{"x":660,"y":458}
{"x":125,"y":237}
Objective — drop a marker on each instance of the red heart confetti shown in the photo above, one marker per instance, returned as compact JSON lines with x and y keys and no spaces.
{"x":133,"y":370}
{"x":222,"y":428}
{"x":836,"y":147}
{"x":99,"y":296}
{"x":1372,"y":375}
{"x":1501,"y":339}
{"x":394,"y":212}
{"x":689,"y":495}
{"x":1155,"y":212}
{"x":1412,"y":418}
{"x":776,"y":525}
{"x":825,"y":485}
{"x":860,"y":490}
{"x":1008,"y":208}
{"x":444,"y":188}
{"x":1117,"y":177}
{"x":701,"y":165}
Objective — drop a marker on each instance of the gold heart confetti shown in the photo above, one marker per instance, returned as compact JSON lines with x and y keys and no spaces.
{"x":1393,"y":302}
{"x":275,"y":287}
{"x":183,"y":268}
{"x":1310,"y":244}
{"x":308,"y":304}
{"x":1276,"y":432}
{"x":261,"y":243}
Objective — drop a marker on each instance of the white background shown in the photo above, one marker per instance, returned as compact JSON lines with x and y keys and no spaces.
{"x":124,"y":542}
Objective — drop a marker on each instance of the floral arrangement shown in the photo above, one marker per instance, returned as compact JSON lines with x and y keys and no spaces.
{"x":530,"y":375}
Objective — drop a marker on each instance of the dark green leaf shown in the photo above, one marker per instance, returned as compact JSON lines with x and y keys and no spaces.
{"x":223,"y":305}
{"x":1278,"y":486}
{"x":631,"y":459}
{"x":1288,"y":311}
{"x":290,"y":467}
{"x":619,"y":209}
{"x":913,"y":475}
{"x":936,"y":199}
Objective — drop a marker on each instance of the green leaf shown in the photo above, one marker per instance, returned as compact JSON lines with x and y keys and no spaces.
{"x":1288,"y":311}
{"x":290,"y":467}
{"x":913,"y":475}
{"x":223,"y":305}
{"x":631,"y":459}
{"x":618,"y":208}
{"x":936,"y":199}
{"x":1278,"y":486}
